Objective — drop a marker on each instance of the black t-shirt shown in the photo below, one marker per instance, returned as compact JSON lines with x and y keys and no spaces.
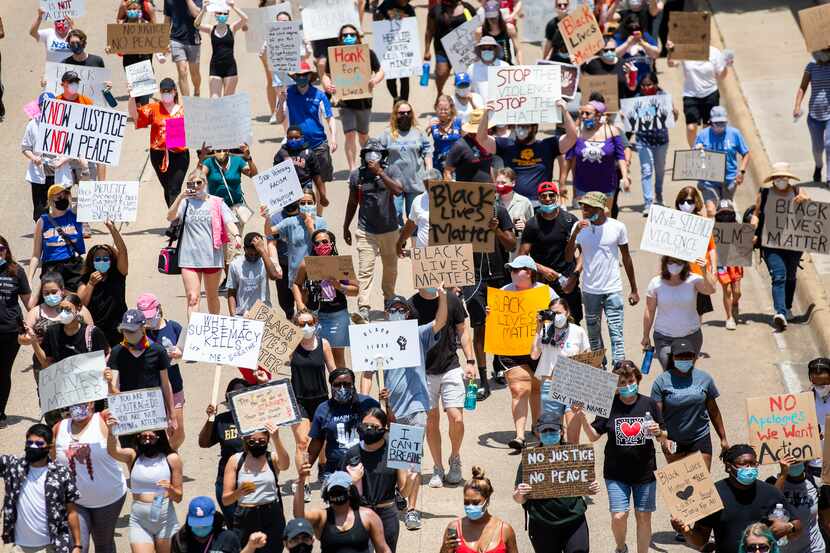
{"x":598,"y":67}
{"x":559,"y":52}
{"x":182,"y":29}
{"x":305,"y":163}
{"x":548,"y":238}
{"x":362,"y":103}
{"x":376,"y":213}
{"x":139,"y":372}
{"x":58,"y":346}
{"x":491,"y":265}
{"x":629,"y":455}
{"x":91,"y":61}
{"x":443,"y":356}
{"x":221,"y":541}
{"x":12,"y":286}
{"x":741,"y":507}
{"x":379,"y":481}
{"x":533,"y":163}
{"x":470,"y":162}
{"x":225,"y":433}
{"x":108,"y":303}
{"x":445,"y":22}
{"x":390,"y":9}
{"x":555,"y":511}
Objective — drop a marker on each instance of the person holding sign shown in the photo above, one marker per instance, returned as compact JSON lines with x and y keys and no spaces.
{"x":54,"y":39}
{"x":442,"y":19}
{"x":490,"y":54}
{"x":395,"y":10}
{"x":295,"y":231}
{"x":223,"y":75}
{"x":305,"y":164}
{"x":720,"y":137}
{"x":135,"y":12}
{"x":730,"y":276}
{"x":554,"y":48}
{"x":445,"y":130}
{"x":817,"y":77}
{"x":806,"y":497}
{"x":14,"y":292}
{"x":636,"y":46}
{"x":464,"y":98}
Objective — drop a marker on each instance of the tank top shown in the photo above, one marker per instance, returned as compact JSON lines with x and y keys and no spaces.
{"x":308,"y":372}
{"x":354,"y":540}
{"x":222,"y":46}
{"x":147,"y":471}
{"x":98,"y":476}
{"x":54,"y":247}
{"x":323,"y":296}
{"x":265,"y":480}
{"x":464,"y":548}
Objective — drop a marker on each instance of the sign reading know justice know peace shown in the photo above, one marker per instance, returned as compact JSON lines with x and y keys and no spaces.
{"x":511,"y":323}
{"x":256,"y":406}
{"x":699,"y":164}
{"x":675,"y":233}
{"x":448,"y":265}
{"x":100,"y":201}
{"x":558,"y":471}
{"x":688,"y":489}
{"x":279,"y":339}
{"x":575,"y":382}
{"x":524,"y":94}
{"x":138,"y":410}
{"x":460,"y":212}
{"x":73,"y":380}
{"x":406,"y":447}
{"x":223,"y":340}
{"x":801,"y":227}
{"x":783,"y":424}
{"x":395,"y":343}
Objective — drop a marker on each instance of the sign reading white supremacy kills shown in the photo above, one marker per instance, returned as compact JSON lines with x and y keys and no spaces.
{"x":323,"y":18}
{"x":460,"y":43}
{"x":278,"y":186}
{"x":107,"y":201}
{"x":219,"y":123}
{"x":406,"y":447}
{"x":73,"y":380}
{"x":524,"y":94}
{"x":575,"y":382}
{"x":676,"y":233}
{"x":77,"y":131}
{"x":801,"y":227}
{"x":223,"y":340}
{"x":397,"y":44}
{"x":138,"y":410}
{"x":93,"y":80}
{"x":283,"y":40}
{"x":396,"y":344}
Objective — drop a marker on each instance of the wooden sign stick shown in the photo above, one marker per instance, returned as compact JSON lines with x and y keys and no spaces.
{"x":214,"y":396}
{"x":379,"y":372}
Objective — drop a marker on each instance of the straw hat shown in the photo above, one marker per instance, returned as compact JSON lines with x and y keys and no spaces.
{"x":471,"y":126}
{"x":779,"y":169}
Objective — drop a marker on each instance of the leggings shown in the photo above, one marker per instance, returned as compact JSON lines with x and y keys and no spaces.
{"x":570,"y":538}
{"x":8,"y":352}
{"x":99,"y":522}
{"x":40,"y":201}
{"x":391,"y":525}
{"x":392,"y":86}
{"x":284,"y":295}
{"x":172,"y":179}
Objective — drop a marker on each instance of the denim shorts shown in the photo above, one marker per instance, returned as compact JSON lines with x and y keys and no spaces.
{"x":619,"y":496}
{"x":334,"y":327}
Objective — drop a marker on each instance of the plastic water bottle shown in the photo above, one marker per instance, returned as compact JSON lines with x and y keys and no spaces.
{"x":779,"y":513}
{"x":425,"y":74}
{"x":648,"y":355}
{"x":168,"y":345}
{"x":647,"y":420}
{"x":110,"y":99}
{"x":155,"y":509}
{"x":471,"y":397}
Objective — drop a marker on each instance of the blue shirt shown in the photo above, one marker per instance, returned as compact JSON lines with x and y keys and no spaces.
{"x":54,"y":246}
{"x":293,"y":232}
{"x":408,"y":390}
{"x":304,"y":111}
{"x":684,"y":403}
{"x":337,"y":425}
{"x":730,"y":141}
{"x":443,"y":142}
{"x":232,"y":193}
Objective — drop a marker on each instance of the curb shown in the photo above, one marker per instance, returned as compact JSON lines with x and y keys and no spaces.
{"x":810,"y":292}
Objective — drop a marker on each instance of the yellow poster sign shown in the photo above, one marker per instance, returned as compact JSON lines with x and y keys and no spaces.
{"x":511,"y":324}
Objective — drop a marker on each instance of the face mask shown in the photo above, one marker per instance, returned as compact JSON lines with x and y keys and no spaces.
{"x":52,"y":299}
{"x":222,"y":19}
{"x":311,"y":209}
{"x":79,"y":412}
{"x":683,"y":365}
{"x":76,"y":47}
{"x":746,"y":475}
{"x":396,"y":316}
{"x":154,"y":322}
{"x":301,"y":548}
{"x":796,"y":470}
{"x":594,"y":218}
{"x":674,"y":268}
{"x":348,"y":40}
{"x":487,"y":56}
{"x":628,"y":391}
{"x":687,"y":207}
{"x":221,"y":157}
{"x":343,"y":395}
{"x":61,"y":28}
{"x":257,"y":449}
{"x":823,"y":390}
{"x":550,"y":438}
{"x":503,"y":189}
{"x":309,"y":330}
{"x":635,"y":4}
{"x":560,"y":320}
{"x":294,"y":144}
{"x":201,"y":531}
{"x":522,"y":132}
{"x":62,"y":204}
{"x":370,"y":435}
{"x":2,"y":262}
{"x":303,"y":81}
{"x":431,"y":290}
{"x":36,"y":454}
{"x":133,"y":337}
{"x":252,"y":258}
{"x":322,"y":249}
{"x":822,"y":56}
{"x":148,"y":449}
{"x":101,"y":266}
{"x":548,"y":208}
{"x":589,"y":123}
{"x":474,"y":512}
{"x":648,"y":90}
{"x":66,"y":317}
{"x":133,"y":14}
{"x":462,"y":92}
{"x":609,"y":57}
{"x":781,"y":184}
{"x":404,"y":122}
{"x":168,"y":98}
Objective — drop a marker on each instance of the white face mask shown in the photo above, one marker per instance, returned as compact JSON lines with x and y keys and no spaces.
{"x":309,"y":330}
{"x":72,"y":88}
{"x":823,"y":390}
{"x":522,"y":132}
{"x":462,"y":92}
{"x":66,"y":317}
{"x":781,"y":183}
{"x":688,"y":208}
{"x":168,"y":97}
{"x":560,"y":320}
{"x":674,"y":268}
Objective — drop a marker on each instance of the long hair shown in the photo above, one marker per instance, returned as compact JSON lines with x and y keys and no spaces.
{"x":664,"y":268}
{"x":502,"y":25}
{"x":349,"y":26}
{"x":393,"y":117}
{"x":11,"y":266}
{"x":376,"y":413}
{"x":89,"y":261}
{"x":761,"y":530}
{"x":686,"y":192}
{"x":50,"y":278}
{"x":164,"y":446}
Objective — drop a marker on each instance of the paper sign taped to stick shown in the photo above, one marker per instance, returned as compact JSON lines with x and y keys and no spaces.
{"x":676,"y":233}
{"x":593,"y":358}
{"x":73,"y":380}
{"x":460,"y":212}
{"x":647,"y":113}
{"x":460,"y":43}
{"x":175,"y":136}
{"x":256,"y":406}
{"x":330,"y":267}
{"x":558,"y":471}
{"x":147,"y":38}
{"x":801,"y":227}
{"x":814,"y":24}
{"x":396,"y":344}
{"x":574,"y":382}
{"x":406,"y":447}
{"x":223,"y":340}
{"x":220,"y":123}
{"x":734,"y":243}
{"x":351,"y":71}
{"x":690,"y":33}
{"x":397,"y":44}
{"x":278,"y":186}
{"x":93,"y":80}
{"x":84,"y":132}
{"x":783,"y":424}
{"x":100,"y":201}
{"x":138,"y":410}
{"x":524,"y":94}
{"x":570,"y":77}
{"x":448,"y":265}
{"x":61,"y":9}
{"x":511,"y":323}
{"x":606,"y":85}
{"x":279,"y":339}
{"x":323,"y":18}
{"x":699,"y":164}
{"x":283,"y":40}
{"x":582,"y":35}
{"x":141,"y":79}
{"x":688,"y":489}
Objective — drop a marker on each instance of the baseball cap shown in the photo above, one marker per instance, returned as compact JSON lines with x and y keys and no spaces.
{"x":55,"y":189}
{"x":726,"y":205}
{"x":396,"y":300}
{"x":718,"y":115}
{"x":200,"y":511}
{"x":547,"y":187}
{"x":593,"y":199}
{"x":463,"y":79}
{"x":70,"y":77}
{"x":339,"y":479}
{"x":548,"y":421}
{"x":304,"y":68}
{"x":132,"y":321}
{"x":679,"y":347}
{"x":521,"y":262}
{"x":296,"y":527}
{"x":43,"y":97}
{"x":148,"y":304}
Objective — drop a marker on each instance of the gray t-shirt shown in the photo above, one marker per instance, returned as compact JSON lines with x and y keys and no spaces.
{"x":250,"y":280}
{"x":407,"y":152}
{"x":408,"y":389}
{"x":803,"y":499}
{"x":684,"y":403}
{"x":196,"y":249}
{"x":376,"y":213}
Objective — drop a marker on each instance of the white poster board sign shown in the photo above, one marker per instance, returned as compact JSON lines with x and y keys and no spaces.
{"x":60,"y":9}
{"x":80,"y":132}
{"x":74,"y":380}
{"x":220,"y":123}
{"x":323,"y":18}
{"x":140,"y":76}
{"x":537,"y":13}
{"x":278,"y":186}
{"x":283,"y":41}
{"x":647,"y":113}
{"x":100,"y":201}
{"x":92,"y":83}
{"x":397,"y":44}
{"x":138,"y":410}
{"x":216,"y":6}
{"x":406,"y":447}
{"x":460,"y":43}
{"x":524,"y":94}
{"x":395,"y":343}
{"x":573,"y":381}
{"x":223,"y":340}
{"x":258,"y":20}
{"x":676,"y":233}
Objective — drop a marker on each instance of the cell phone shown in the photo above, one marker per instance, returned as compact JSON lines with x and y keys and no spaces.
{"x":452,"y":533}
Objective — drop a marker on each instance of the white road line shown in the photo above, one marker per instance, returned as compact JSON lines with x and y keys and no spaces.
{"x":780,"y":341}
{"x":791,"y":380}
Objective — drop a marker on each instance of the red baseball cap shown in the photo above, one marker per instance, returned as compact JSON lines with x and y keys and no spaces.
{"x":548,"y":187}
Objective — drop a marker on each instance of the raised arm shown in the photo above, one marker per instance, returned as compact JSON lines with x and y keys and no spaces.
{"x":33,"y":30}
{"x":482,"y":136}
{"x":441,"y":315}
{"x":124,"y":454}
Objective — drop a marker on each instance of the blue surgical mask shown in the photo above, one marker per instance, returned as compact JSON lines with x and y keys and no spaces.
{"x":628,"y":391}
{"x":350,"y":39}
{"x":548,"y":208}
{"x":201,"y":531}
{"x":222,"y":19}
{"x":474,"y":512}
{"x":2,"y":262}
{"x":311,"y":209}
{"x":589,"y":123}
{"x":52,"y":300}
{"x":431,"y":290}
{"x":796,"y":470}
{"x":102,"y":266}
{"x":683,"y":365}
{"x":294,"y":144}
{"x":610,"y":57}
{"x":302,"y":81}
{"x":397,"y":316}
{"x":487,"y":55}
{"x":133,"y":14}
{"x":746,"y":475}
{"x":594,"y":218}
{"x":550,"y":438}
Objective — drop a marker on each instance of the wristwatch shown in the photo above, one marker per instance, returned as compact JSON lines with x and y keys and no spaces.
{"x":471,"y":361}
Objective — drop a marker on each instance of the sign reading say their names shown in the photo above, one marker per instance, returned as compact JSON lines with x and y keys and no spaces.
{"x":330,"y":267}
{"x":676,"y":233}
{"x":783,"y":424}
{"x":734,"y":243}
{"x":278,"y":186}
{"x":398,"y":46}
{"x":60,"y":9}
{"x":574,"y":382}
{"x":138,"y":410}
{"x":582,"y":35}
{"x":283,"y":41}
{"x":93,"y":80}
{"x":147,"y":38}
{"x":77,"y":131}
{"x":448,"y":265}
{"x":396,"y":344}
{"x":100,"y":201}
{"x":460,"y":212}
{"x":690,"y":33}
{"x":73,"y":380}
{"x":603,"y":84}
{"x":351,"y":71}
{"x":323,"y":18}
{"x":141,"y":78}
{"x":511,"y":323}
{"x":801,"y":227}
{"x":279,"y":339}
{"x":688,"y":489}
{"x":814,"y":24}
{"x":699,"y":164}
{"x":524,"y":94}
{"x":406,"y":447}
{"x":460,"y":43}
{"x":219,"y":123}
{"x":223,"y":340}
{"x":256,"y":406}
{"x":647,"y":113}
{"x":558,"y":471}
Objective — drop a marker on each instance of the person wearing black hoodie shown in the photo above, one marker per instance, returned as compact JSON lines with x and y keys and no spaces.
{"x":205,"y":528}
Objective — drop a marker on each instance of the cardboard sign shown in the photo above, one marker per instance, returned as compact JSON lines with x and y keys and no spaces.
{"x":699,"y":164}
{"x":592,"y":358}
{"x":558,"y":471}
{"x":511,"y":323}
{"x":397,"y":44}
{"x":582,"y":35}
{"x":460,"y":43}
{"x":60,"y":9}
{"x":175,"y":135}
{"x":448,"y":265}
{"x":575,"y":382}
{"x":100,"y":201}
{"x":396,"y":344}
{"x":323,"y":18}
{"x":351,"y":71}
{"x":223,"y":340}
{"x":220,"y":123}
{"x":799,"y":227}
{"x":406,"y":447}
{"x":690,"y":33}
{"x":647,"y":113}
{"x":606,"y":85}
{"x":283,"y":40}
{"x":676,"y":233}
{"x":783,"y":424}
{"x":688,"y":489}
{"x":279,"y":339}
{"x":84,"y":132}
{"x":524,"y":94}
{"x":141,"y":79}
{"x":330,"y":267}
{"x":536,"y":13}
{"x":138,"y":410}
{"x":278,"y":186}
{"x":460,"y":212}
{"x":256,"y":406}
{"x":145,"y":38}
{"x":734,"y":243}
{"x":93,"y":80}
{"x":70,"y":381}
{"x":814,"y":24}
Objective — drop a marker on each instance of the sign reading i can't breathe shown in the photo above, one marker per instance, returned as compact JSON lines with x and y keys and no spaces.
{"x":801,"y":227}
{"x":524,"y":94}
{"x":406,"y":447}
{"x":558,"y":471}
{"x":783,"y":424}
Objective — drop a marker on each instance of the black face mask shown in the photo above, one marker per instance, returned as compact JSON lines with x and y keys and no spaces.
{"x":370,"y":435}
{"x":257,"y":449}
{"x":252,"y":258}
{"x":301,"y":548}
{"x":62,"y":204}
{"x":404,"y":122}
{"x":148,"y":449}
{"x":35,"y":454}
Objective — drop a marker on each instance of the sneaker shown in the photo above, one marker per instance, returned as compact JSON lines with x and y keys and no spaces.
{"x":779,"y":322}
{"x":273,"y":119}
{"x":361,"y":317}
{"x":437,"y":480}
{"x":307,"y":493}
{"x":482,"y":394}
{"x":817,"y":175}
{"x":623,"y":550}
{"x":730,"y":324}
{"x":454,"y":475}
{"x":790,"y":315}
{"x":412,"y":520}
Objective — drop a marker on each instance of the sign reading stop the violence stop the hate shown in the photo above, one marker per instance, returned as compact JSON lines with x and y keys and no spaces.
{"x":524,"y":94}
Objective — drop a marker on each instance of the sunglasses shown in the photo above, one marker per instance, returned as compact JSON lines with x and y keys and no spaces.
{"x":562,"y":6}
{"x":192,"y":183}
{"x":101,"y":259}
{"x":404,"y":311}
{"x":306,"y":202}
{"x":547,"y":196}
{"x":35,"y":443}
{"x":586,"y":114}
{"x":346,"y":35}
{"x":322,"y":242}
{"x":757,"y":547}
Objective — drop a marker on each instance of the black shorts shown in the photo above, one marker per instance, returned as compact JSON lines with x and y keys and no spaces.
{"x":475,"y":297}
{"x":320,"y":48}
{"x":223,"y":69}
{"x":309,"y":406}
{"x":703,"y":445}
{"x":510,"y":361}
{"x":697,"y":110}
{"x":322,"y":154}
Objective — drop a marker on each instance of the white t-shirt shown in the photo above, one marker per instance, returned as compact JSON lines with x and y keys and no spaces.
{"x":34,"y":173}
{"x":478,"y":76}
{"x":575,"y":342}
{"x":419,"y":213}
{"x":57,"y":49}
{"x":600,"y":246}
{"x":31,"y":529}
{"x":700,"y":78}
{"x":464,"y":110}
{"x":676,"y":314}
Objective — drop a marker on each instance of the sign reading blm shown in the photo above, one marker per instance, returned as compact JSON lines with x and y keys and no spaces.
{"x":790,"y":225}
{"x":734,"y":244}
{"x":460,"y":212}
{"x":558,"y":471}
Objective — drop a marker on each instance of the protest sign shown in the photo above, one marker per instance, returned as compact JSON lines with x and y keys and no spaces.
{"x":814,"y":24}
{"x":734,"y":243}
{"x":216,"y":6}
{"x":406,"y":447}
{"x":60,"y":9}
{"x":690,"y":33}
{"x":323,"y":18}
{"x":100,"y":201}
{"x":147,"y":38}
{"x":603,"y":84}
{"x":536,"y":16}
{"x":575,"y":382}
{"x":524,"y":94}
{"x":258,"y":21}
{"x":581,"y":33}
{"x":223,"y":340}
{"x":688,"y":489}
{"x":676,"y":233}
{"x":283,"y":41}
{"x":460,"y":43}
{"x":175,"y":136}
{"x":351,"y":71}
{"x":443,"y":265}
{"x":800,"y":227}
{"x":278,"y":186}
{"x":280,"y":337}
{"x":647,"y":113}
{"x":138,"y":410}
{"x":77,"y":131}
{"x":395,"y":343}
{"x":220,"y":123}
{"x":570,"y":77}
{"x":93,"y":80}
{"x":141,"y":79}
{"x":558,"y":471}
{"x":699,"y":164}
{"x":511,"y":323}
{"x":256,"y":406}
{"x":330,"y":267}
{"x":73,"y":380}
{"x":593,"y":358}
{"x":397,"y":44}
{"x":825,"y":453}
{"x":32,"y":109}
{"x":783,"y":424}
{"x":460,"y":212}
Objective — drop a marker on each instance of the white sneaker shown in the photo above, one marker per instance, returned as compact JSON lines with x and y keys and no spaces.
{"x":730,"y":324}
{"x":273,"y":119}
{"x":454,"y":475}
{"x":779,"y":321}
{"x":437,"y":480}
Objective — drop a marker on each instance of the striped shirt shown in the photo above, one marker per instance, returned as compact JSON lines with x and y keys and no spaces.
{"x":819,"y":90}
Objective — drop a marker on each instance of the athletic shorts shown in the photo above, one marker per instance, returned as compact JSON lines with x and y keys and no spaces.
{"x":322,"y":154}
{"x":696,"y":110}
{"x":320,"y":48}
{"x":727,"y":275}
{"x":716,"y":191}
{"x":355,"y":120}
{"x":185,"y":52}
{"x":703,"y":445}
{"x":309,"y":406}
{"x":449,"y":387}
{"x":142,"y":530}
{"x":204,"y":270}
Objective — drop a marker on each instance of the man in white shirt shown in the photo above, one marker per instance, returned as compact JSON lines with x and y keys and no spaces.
{"x":57,"y":47}
{"x":489,"y":55}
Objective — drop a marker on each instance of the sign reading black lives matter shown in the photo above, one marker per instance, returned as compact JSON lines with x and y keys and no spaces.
{"x":77,"y":131}
{"x":575,"y":382}
{"x":699,"y":164}
{"x":406,"y":447}
{"x":460,"y":212}
{"x":801,"y":227}
{"x":223,"y":340}
{"x":558,"y":471}
{"x":72,"y":380}
{"x":396,"y":344}
{"x":449,"y":266}
{"x":138,"y":410}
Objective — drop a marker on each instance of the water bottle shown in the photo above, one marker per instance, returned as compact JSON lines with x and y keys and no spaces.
{"x":779,"y":513}
{"x":168,"y":345}
{"x":471,"y":397}
{"x":155,"y":509}
{"x":647,"y":420}
{"x":425,"y":74}
{"x":110,"y":99}
{"x":648,"y":355}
